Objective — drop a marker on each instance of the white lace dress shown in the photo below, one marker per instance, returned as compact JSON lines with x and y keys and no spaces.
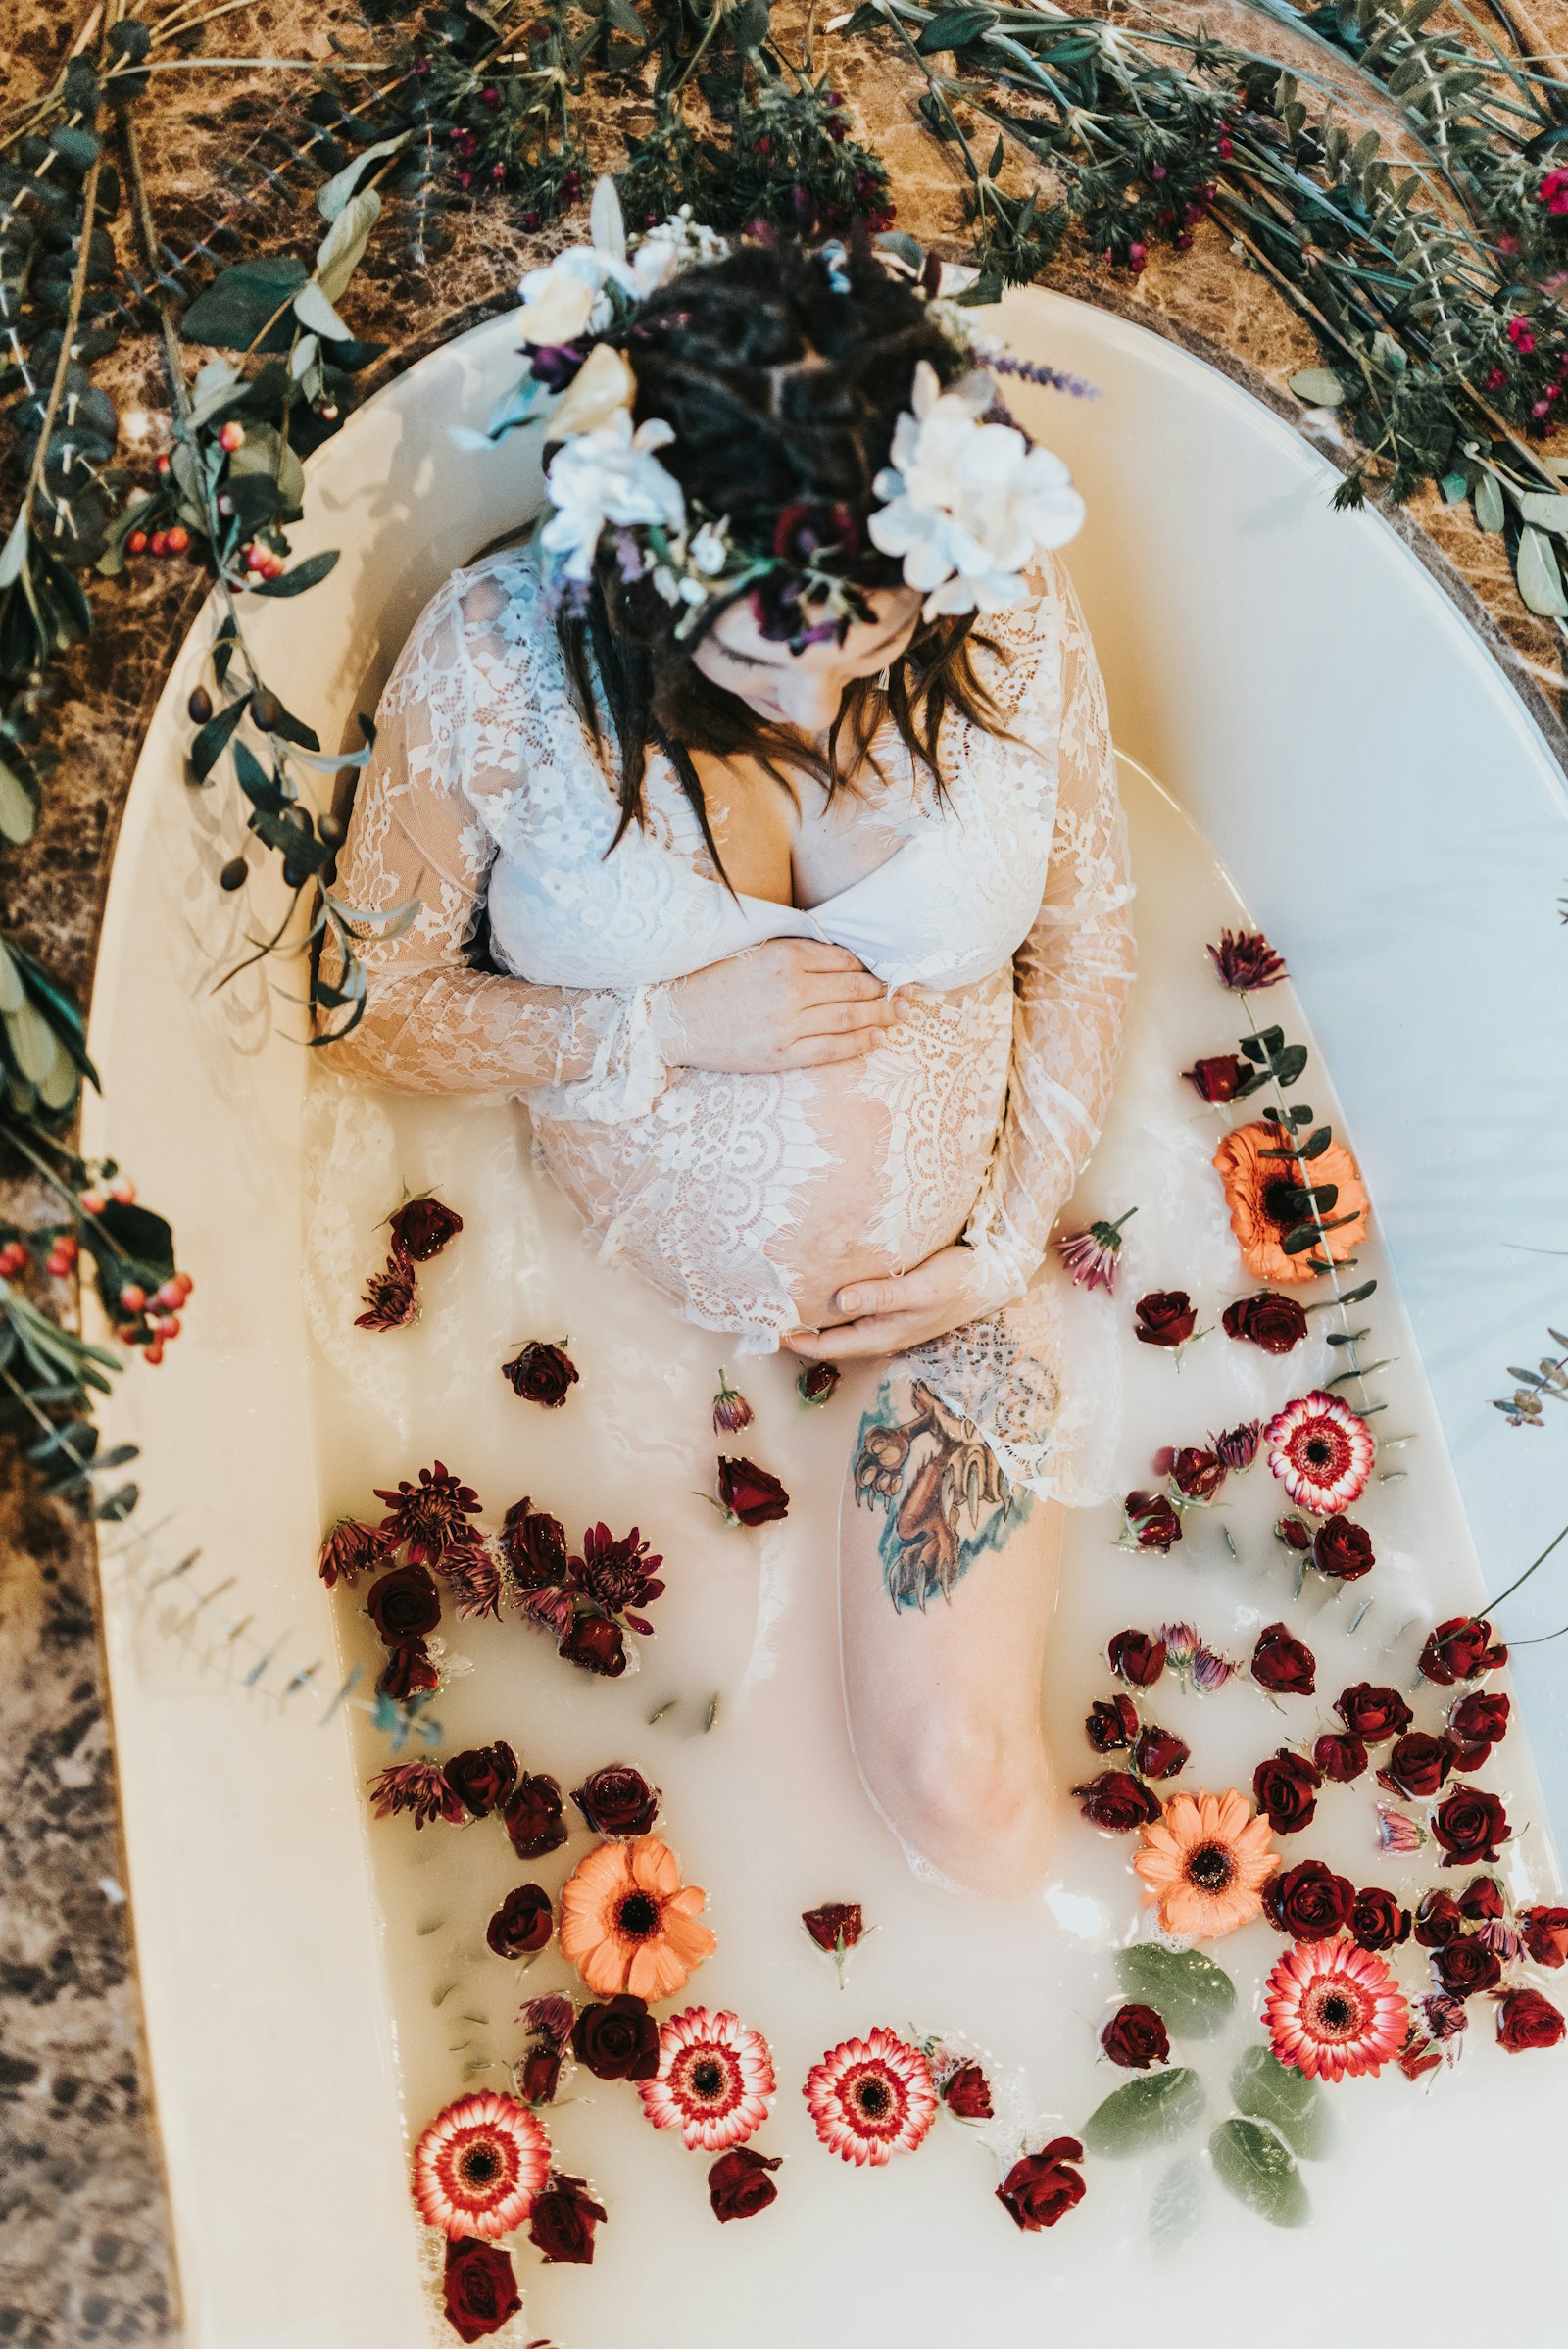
{"x":750,"y":1200}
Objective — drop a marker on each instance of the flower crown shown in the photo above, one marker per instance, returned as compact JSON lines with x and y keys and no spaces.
{"x":965,"y":504}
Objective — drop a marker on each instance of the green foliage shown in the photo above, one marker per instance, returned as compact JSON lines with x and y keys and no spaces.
{"x":1192,"y":1994}
{"x":1256,"y":2164}
{"x":1153,"y":2109}
{"x":1265,"y":2089}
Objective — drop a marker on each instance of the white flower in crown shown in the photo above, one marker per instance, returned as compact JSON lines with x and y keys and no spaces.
{"x":570,"y":296}
{"x":610,"y":476}
{"x":967,"y":504}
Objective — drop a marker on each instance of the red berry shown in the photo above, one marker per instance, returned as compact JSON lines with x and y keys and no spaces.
{"x":137,"y":543}
{"x":160,"y":542}
{"x":162,"y":465}
{"x":133,"y":1297}
{"x":167,"y":1325}
{"x":183,"y":1282}
{"x":123,"y":1190}
{"x":154,"y":1353}
{"x":233,"y":436}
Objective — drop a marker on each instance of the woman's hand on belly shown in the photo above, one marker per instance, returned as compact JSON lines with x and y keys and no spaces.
{"x":889,"y":1315}
{"x":795,"y":1002}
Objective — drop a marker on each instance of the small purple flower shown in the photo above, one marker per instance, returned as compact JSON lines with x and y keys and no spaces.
{"x":1182,"y":1644}
{"x":1446,"y":2017}
{"x":1502,"y":1938}
{"x":1246,"y":961}
{"x":1091,"y":1255}
{"x":1237,"y":1446}
{"x":1397,"y":1830}
{"x":1210,"y":1671}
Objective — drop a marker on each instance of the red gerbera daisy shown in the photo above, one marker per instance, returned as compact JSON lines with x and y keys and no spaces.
{"x":430,"y":1516}
{"x":1332,"y":2009}
{"x":480,"y":2165}
{"x":871,"y":2098}
{"x":715,"y":2081}
{"x":1321,"y":1451}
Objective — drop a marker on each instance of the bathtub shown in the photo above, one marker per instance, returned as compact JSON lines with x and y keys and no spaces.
{"x":1321,"y":712}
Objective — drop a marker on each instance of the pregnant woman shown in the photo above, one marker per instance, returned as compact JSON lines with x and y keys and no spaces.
{"x":761,"y":822}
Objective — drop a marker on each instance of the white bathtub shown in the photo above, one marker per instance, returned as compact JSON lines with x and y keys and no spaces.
{"x":1383,"y":803}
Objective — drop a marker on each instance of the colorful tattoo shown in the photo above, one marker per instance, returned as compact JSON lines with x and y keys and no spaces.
{"x":945,"y":1496}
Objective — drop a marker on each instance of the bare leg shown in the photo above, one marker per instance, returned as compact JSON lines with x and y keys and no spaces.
{"x":947,"y":1581}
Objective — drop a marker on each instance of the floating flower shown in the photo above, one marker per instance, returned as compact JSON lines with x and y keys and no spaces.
{"x":1238,"y":1446}
{"x":478,"y":2290}
{"x":731,"y":1410}
{"x":1150,"y":1522}
{"x":351,"y":1549}
{"x":1042,"y":2188}
{"x":966,"y":2093}
{"x":422,"y":1227}
{"x":483,"y":1776}
{"x":1397,"y":1830}
{"x":534,"y":1545}
{"x":431,"y":1515}
{"x":618,"y":2039}
{"x":837,"y":1927}
{"x":521,"y":1924}
{"x":410,"y":1670}
{"x":541,"y":1374}
{"x":1308,"y":1901}
{"x":1192,"y":1661}
{"x":629,"y":1924}
{"x":1286,"y":1788}
{"x":1334,"y":2011}
{"x":619,"y":1575}
{"x":1476,"y":1723}
{"x":1465,"y":1966}
{"x":1117,"y":1801}
{"x":715,"y":2081}
{"x":1197,"y":1474}
{"x":1377,"y":1920}
{"x":1373,"y":1713}
{"x":1281,"y":1664}
{"x":1210,"y":1671}
{"x":819,"y":1382}
{"x":1091,"y":1255}
{"x":1470,"y":1826}
{"x":1136,"y":1658}
{"x":1245,"y":962}
{"x":391,"y":1296}
{"x":871,"y":2098}
{"x":1342,"y":1550}
{"x":1275,"y":1324}
{"x":1204,"y":1862}
{"x":617,"y":1800}
{"x":533,"y":1816}
{"x":611,"y":475}
{"x":1160,"y":1753}
{"x":562,"y":2220}
{"x":739,"y":2185}
{"x":1112,"y":1723}
{"x":1220,"y":1079}
{"x":1546,"y":1934}
{"x":749,"y":1494}
{"x":1136,"y":2038}
{"x":1341,"y":1756}
{"x":1164,"y":1317}
{"x":595,"y":1644}
{"x":418,"y":1786}
{"x":1322,"y":1452}
{"x":1482,"y":1900}
{"x":1528,"y":2019}
{"x":1461,"y":1649}
{"x":1416,"y":1767}
{"x":480,"y":2165}
{"x":404,"y":1604}
{"x":1264,"y":1193}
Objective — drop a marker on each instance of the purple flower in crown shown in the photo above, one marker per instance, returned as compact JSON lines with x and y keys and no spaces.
{"x":1195,"y":1664}
{"x":555,"y":364}
{"x":1397,"y":1830}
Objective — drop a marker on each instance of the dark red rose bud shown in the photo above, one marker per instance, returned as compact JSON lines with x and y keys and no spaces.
{"x":1136,"y":2038}
{"x":561,"y":2222}
{"x":1465,"y":1964}
{"x":1526,"y":2018}
{"x":1237,"y":1446}
{"x":1470,"y":1826}
{"x":1164,"y":1317}
{"x":521,"y":1924}
{"x":404,"y":1604}
{"x":1417,"y":1766}
{"x":1160,"y":1753}
{"x":1282,"y":1665}
{"x":423,"y":1228}
{"x":1293,"y":1532}
{"x":1277,"y":1323}
{"x":1217,"y":1080}
{"x":1196,"y":1474}
{"x":739,"y":2185}
{"x":1111,"y":1724}
{"x":1377,"y":1920}
{"x":836,"y":1926}
{"x":1245,"y":961}
{"x":1482,"y":1900}
{"x":1137,"y":1658}
{"x":1117,"y":1801}
{"x":617,"y":1800}
{"x":1460,"y":1650}
{"x":535,"y":1547}
{"x":596,"y":1645}
{"x":617,"y":2040}
{"x":968,"y":2094}
{"x":410,"y":1670}
{"x":479,"y":2289}
{"x":1438,"y":1920}
{"x":1309,"y":1902}
{"x":1285,"y":1789}
{"x":1040,"y":2188}
{"x":1373,"y":1713}
{"x":1151,"y":1521}
{"x":539,"y":2074}
{"x":482,"y":1778}
{"x":541,"y":1374}
{"x":817,"y":1381}
{"x":748,"y":1493}
{"x":1546,"y":1932}
{"x":533,"y":1816}
{"x":1343,"y":1550}
{"x":1341,"y":1759}
{"x":1481,"y":1718}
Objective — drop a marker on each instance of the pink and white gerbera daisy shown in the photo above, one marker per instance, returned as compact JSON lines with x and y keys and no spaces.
{"x":1321,"y":1451}
{"x":1332,"y":2009}
{"x":478,"y":2167}
{"x":715,"y":2081}
{"x":871,"y":2098}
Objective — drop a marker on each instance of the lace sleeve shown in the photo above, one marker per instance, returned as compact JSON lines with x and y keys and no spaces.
{"x":1072,"y":977}
{"x":448,"y":764}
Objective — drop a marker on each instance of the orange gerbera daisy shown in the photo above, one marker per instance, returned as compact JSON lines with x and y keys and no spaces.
{"x":1257,"y":1192}
{"x":628,"y":1924}
{"x":1205,"y":1860}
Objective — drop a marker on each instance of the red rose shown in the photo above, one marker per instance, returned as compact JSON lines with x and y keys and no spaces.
{"x":1137,"y":1658}
{"x":1475,"y":1725}
{"x":535,"y":1546}
{"x":739,"y":2185}
{"x":596,"y":1645}
{"x":836,"y":1926}
{"x":1151,"y":1519}
{"x":1343,"y":1550}
{"x":1469,"y":1825}
{"x":410,"y":1669}
{"x":750,"y":1493}
{"x":1136,"y":2038}
{"x":533,"y":1816}
{"x":1465,"y":1964}
{"x":1160,"y":1753}
{"x":1546,"y":1932}
{"x":617,"y":1800}
{"x":1525,"y":2018}
{"x":1197,"y":1475}
{"x":1285,"y":1788}
{"x":1282,"y":1665}
{"x":1217,"y":1080}
{"x":1119,"y":1800}
{"x":1417,"y":1766}
{"x":1164,"y":1317}
{"x":422,"y":1228}
{"x":479,"y":2289}
{"x":1293,"y":1532}
{"x":1275,"y":1323}
{"x":968,"y":2094}
{"x":1376,"y":1921}
{"x":541,"y":1374}
{"x":482,"y":1778}
{"x":1112,"y":1723}
{"x":562,"y":2220}
{"x":1341,"y":1759}
{"x":521,"y":1924}
{"x":1437,"y":1919}
{"x":539,"y":2072}
{"x":404,"y":1604}
{"x":817,"y":1381}
{"x":1309,"y":1902}
{"x":1459,"y":1649}
{"x":1482,"y":1900}
{"x":1040,"y":2188}
{"x":1373,"y":1713}
{"x":618,"y":2039}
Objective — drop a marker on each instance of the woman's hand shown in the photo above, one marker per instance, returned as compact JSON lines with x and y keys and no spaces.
{"x":902,"y":1309}
{"x":795,"y":1002}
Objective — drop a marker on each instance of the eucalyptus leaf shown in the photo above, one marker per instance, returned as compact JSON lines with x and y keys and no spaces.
{"x":1192,"y":1994}
{"x":304,"y":354}
{"x":1539,"y":580}
{"x":342,"y":249}
{"x":1269,"y":2090}
{"x":14,"y":553}
{"x":316,"y":315}
{"x":1178,"y":2203}
{"x":32,"y":1042}
{"x":955,"y":29}
{"x":242,"y":300}
{"x":1319,"y":387}
{"x":332,"y":199}
{"x":307,"y":573}
{"x":1546,"y":509}
{"x":18,"y":814}
{"x":1257,"y":2166}
{"x":59,"y":1089}
{"x":1153,"y":2109}
{"x":1489,"y":511}
{"x":12,"y":995}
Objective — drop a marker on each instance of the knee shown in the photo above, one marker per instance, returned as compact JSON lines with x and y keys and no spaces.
{"x":970,"y":1795}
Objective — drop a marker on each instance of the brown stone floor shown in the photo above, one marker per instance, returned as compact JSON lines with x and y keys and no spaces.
{"x":84,"y":2254}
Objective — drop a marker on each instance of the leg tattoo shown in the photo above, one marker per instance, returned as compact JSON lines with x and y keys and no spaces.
{"x":945,"y":1496}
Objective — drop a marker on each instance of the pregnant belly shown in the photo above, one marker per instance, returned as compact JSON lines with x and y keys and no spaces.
{"x":752,"y":1200}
